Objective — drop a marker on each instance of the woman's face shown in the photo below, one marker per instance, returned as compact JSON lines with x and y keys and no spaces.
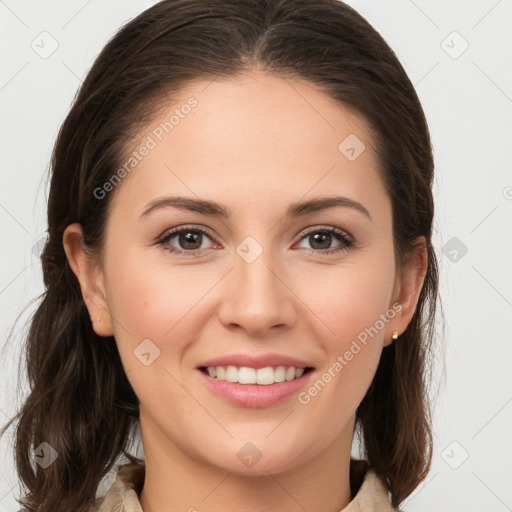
{"x":258,"y":281}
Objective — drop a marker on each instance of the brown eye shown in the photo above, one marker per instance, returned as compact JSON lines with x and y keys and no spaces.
{"x":321,"y":240}
{"x":185,"y":241}
{"x":189,"y":240}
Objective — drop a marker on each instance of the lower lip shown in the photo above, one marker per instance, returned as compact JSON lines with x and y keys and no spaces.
{"x":255,"y":395}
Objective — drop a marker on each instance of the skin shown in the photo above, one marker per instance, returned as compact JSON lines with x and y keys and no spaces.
{"x":256,"y":144}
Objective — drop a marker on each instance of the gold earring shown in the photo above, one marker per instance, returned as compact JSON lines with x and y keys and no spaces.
{"x":395,"y":336}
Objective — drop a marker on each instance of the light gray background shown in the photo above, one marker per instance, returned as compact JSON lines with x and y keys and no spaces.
{"x":467,"y":97}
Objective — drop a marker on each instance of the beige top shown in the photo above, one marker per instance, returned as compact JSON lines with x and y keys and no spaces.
{"x":123,"y":495}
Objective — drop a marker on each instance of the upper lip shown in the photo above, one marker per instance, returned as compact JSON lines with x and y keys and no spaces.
{"x":256,"y":361}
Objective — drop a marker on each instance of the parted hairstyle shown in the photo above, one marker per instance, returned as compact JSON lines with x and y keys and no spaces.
{"x":80,"y":401}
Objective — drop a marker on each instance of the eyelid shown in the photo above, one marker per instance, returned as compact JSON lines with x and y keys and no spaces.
{"x":324,"y":227}
{"x":185,"y":227}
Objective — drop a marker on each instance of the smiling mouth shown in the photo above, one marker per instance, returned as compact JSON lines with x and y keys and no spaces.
{"x":262,"y":376}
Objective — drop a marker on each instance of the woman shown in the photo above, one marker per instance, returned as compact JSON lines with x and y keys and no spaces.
{"x":239,"y":262}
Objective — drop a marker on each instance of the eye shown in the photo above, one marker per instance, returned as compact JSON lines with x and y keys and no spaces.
{"x":189,"y":240}
{"x":321,"y":239}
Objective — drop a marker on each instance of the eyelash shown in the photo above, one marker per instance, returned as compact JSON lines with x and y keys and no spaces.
{"x":342,"y":236}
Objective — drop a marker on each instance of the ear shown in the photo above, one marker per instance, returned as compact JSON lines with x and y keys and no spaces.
{"x":408,"y":284}
{"x":90,"y":277}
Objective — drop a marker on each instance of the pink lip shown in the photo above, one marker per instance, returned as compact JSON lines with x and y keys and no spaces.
{"x":255,"y":395}
{"x":259,"y":361}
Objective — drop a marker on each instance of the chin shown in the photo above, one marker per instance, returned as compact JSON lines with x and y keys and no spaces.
{"x":250,"y":460}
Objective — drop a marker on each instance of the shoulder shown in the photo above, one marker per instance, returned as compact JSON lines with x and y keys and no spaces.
{"x":371,"y":495}
{"x":123,"y":495}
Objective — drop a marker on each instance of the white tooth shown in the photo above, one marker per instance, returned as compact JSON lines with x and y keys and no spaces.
{"x":246,"y":375}
{"x":231,"y":374}
{"x":265,"y":375}
{"x":290,"y":373}
{"x":280,"y":374}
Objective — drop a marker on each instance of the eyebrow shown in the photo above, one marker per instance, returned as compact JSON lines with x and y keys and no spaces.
{"x":214,"y":209}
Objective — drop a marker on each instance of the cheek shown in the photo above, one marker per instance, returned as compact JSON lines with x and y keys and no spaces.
{"x":350,"y":306}
{"x":348,"y":299}
{"x":150,"y":303}
{"x":146,"y":301}
{"x":157,"y":302}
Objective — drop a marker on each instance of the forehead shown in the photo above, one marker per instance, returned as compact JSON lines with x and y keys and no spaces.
{"x":257,"y":137}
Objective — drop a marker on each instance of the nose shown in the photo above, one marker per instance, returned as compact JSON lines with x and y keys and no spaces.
{"x":256,"y":296}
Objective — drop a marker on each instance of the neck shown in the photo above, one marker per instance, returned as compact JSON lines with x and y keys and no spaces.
{"x":175,"y":480}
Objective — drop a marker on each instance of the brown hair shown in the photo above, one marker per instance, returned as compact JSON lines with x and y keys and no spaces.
{"x":80,"y":401}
